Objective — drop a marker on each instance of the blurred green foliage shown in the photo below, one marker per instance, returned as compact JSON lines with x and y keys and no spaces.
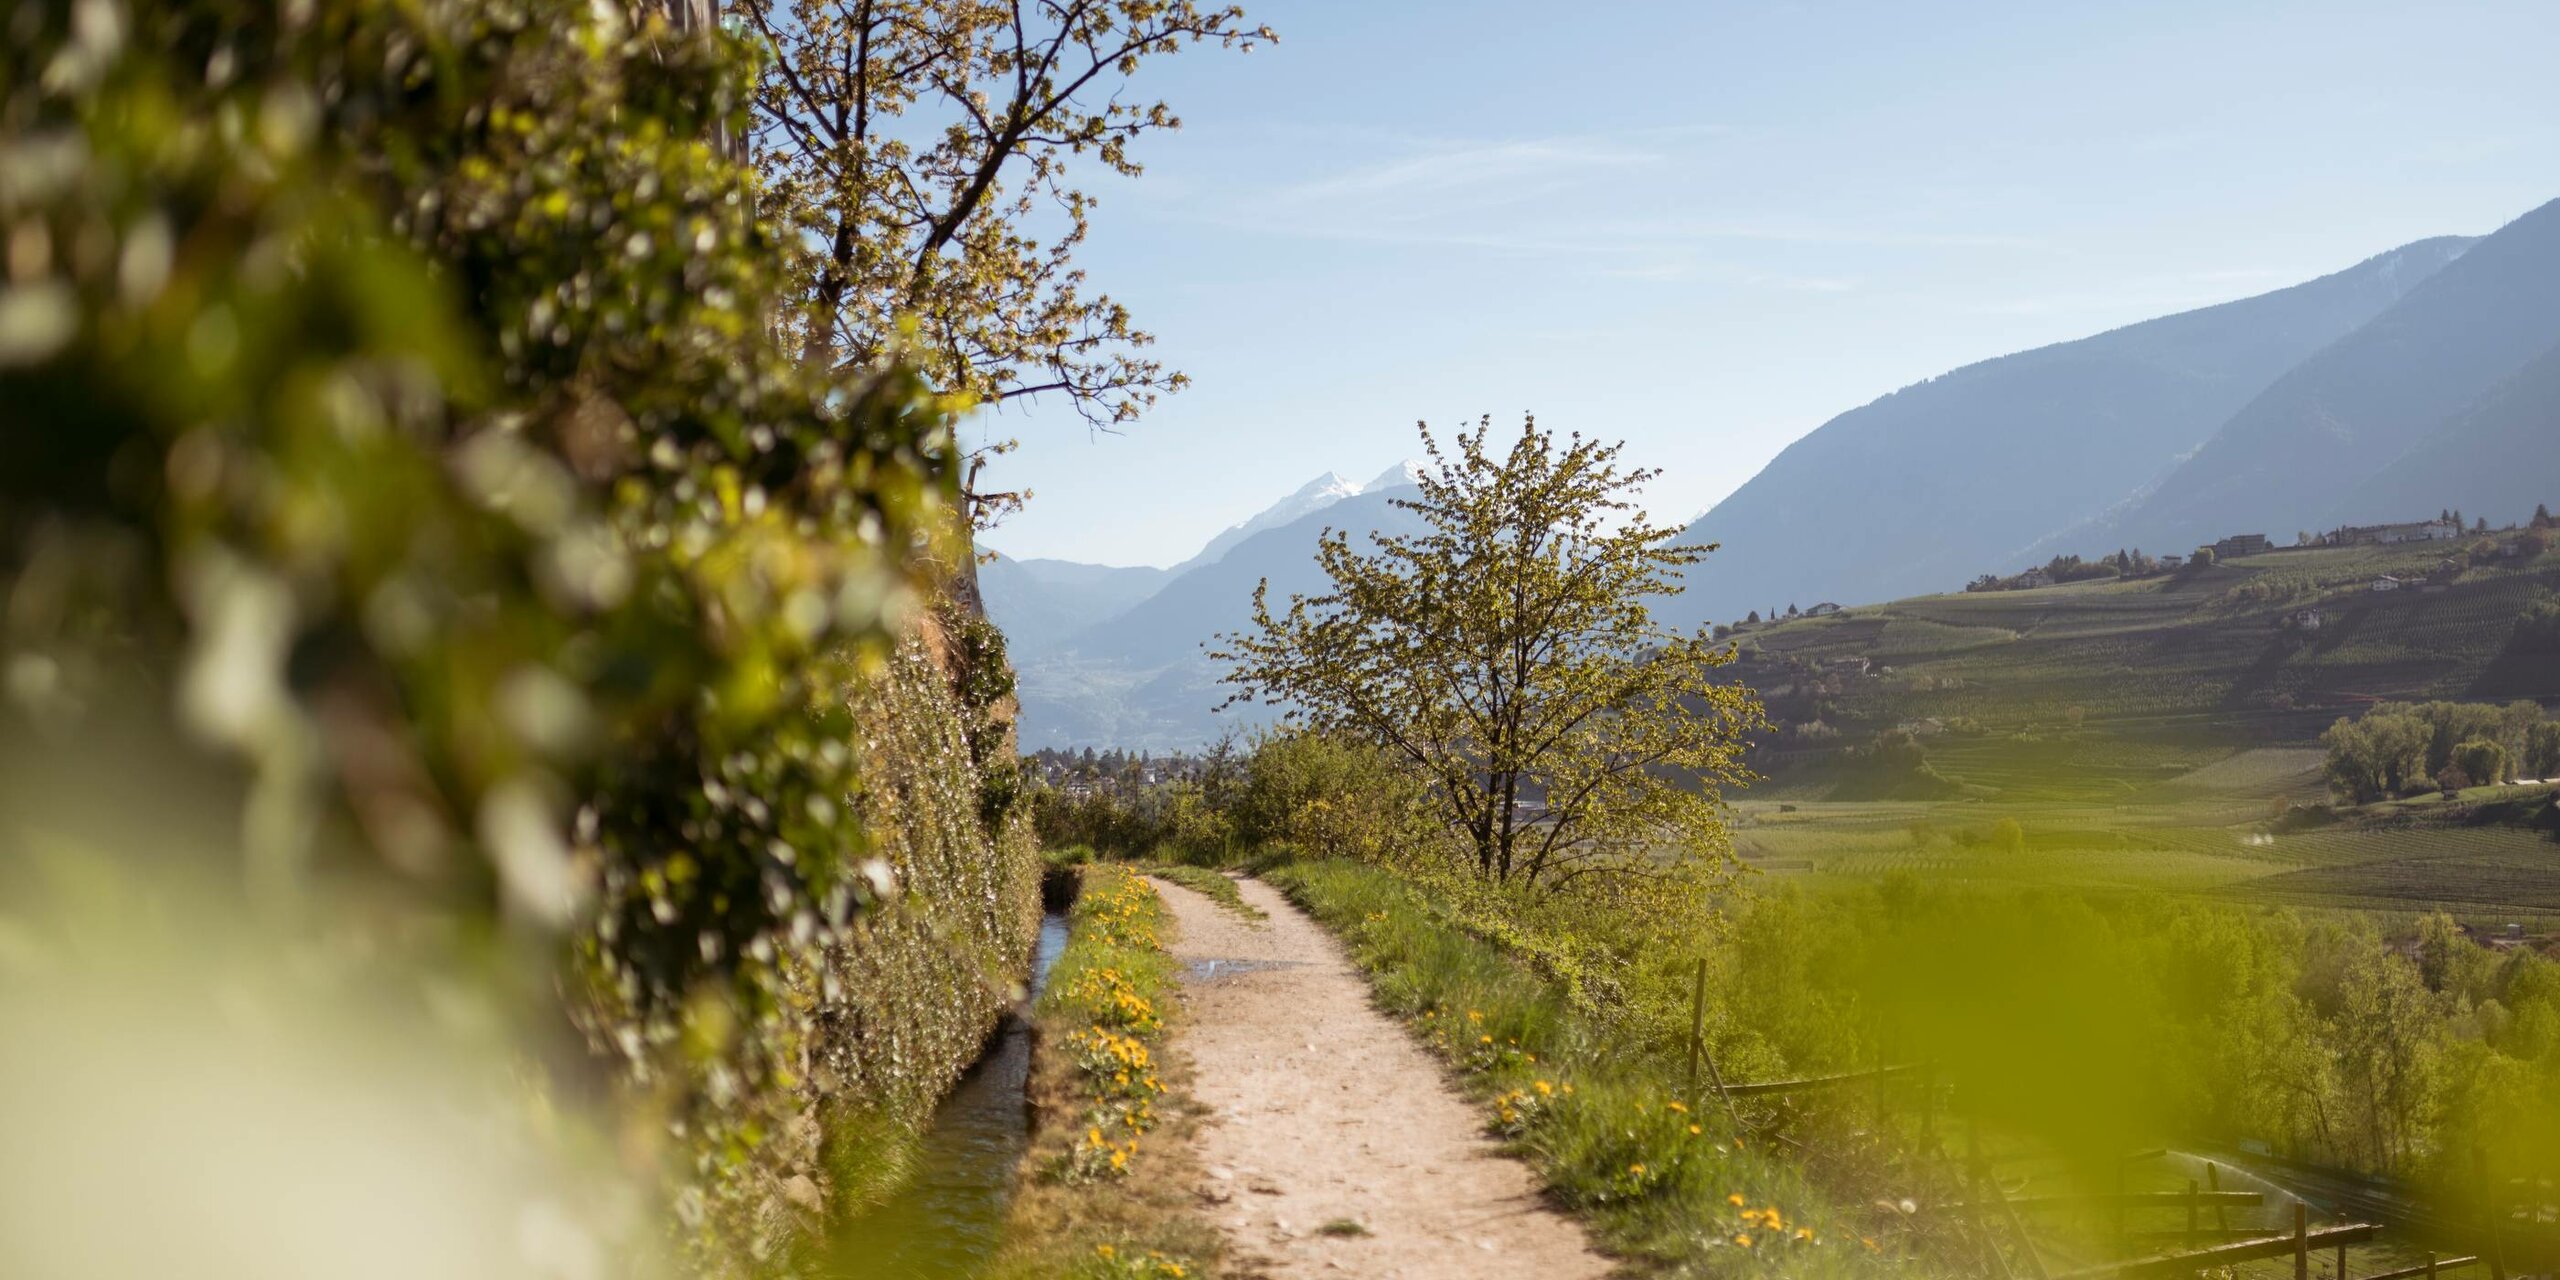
{"x":395,"y":410}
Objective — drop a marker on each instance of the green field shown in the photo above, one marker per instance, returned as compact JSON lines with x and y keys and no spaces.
{"x":2488,"y":857}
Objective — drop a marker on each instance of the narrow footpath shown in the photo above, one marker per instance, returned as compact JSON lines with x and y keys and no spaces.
{"x":1334,"y":1145}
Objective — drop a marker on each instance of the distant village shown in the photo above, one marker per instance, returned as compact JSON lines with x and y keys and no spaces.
{"x":1089,"y":773}
{"x":2514,"y":541}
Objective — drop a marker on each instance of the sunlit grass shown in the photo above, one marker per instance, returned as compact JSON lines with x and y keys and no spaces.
{"x":1600,"y":1117}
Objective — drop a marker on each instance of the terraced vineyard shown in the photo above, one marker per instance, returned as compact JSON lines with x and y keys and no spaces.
{"x":2096,"y":691}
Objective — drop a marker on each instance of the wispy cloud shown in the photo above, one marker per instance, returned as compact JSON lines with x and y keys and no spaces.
{"x":1578,"y":198}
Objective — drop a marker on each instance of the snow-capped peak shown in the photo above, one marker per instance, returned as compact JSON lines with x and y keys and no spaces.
{"x":1311,"y":497}
{"x":1395,"y":477}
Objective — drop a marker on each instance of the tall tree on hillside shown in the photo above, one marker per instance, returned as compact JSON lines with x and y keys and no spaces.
{"x":1507,"y":655}
{"x":929,"y":153}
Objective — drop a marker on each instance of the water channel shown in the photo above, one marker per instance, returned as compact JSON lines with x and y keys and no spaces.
{"x":949,"y":1220}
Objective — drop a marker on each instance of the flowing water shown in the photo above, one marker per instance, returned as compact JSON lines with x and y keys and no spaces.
{"x":950,"y":1218}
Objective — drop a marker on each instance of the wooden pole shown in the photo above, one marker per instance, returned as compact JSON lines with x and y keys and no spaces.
{"x":2301,"y":1241}
{"x":2213,"y":1179}
{"x":2191,"y":1213}
{"x":1697,"y":1029}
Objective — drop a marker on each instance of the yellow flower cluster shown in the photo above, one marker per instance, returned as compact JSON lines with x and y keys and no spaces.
{"x":1111,"y":1262}
{"x":1766,"y":1227}
{"x":1117,"y":1069}
{"x":1114,"y":1000}
{"x":1121,"y":911}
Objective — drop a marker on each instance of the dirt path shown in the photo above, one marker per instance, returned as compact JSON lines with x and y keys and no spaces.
{"x":1322,"y":1111}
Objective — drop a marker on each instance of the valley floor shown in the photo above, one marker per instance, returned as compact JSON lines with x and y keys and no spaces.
{"x":1334,"y":1144}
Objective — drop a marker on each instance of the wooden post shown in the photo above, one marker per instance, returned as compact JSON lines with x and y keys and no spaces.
{"x":1697,"y":1029}
{"x":2342,"y":1260}
{"x":2213,"y":1181}
{"x":2191,"y":1213}
{"x":2301,"y":1241}
{"x":2431,"y":1264}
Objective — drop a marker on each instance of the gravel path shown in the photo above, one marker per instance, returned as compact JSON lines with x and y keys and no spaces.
{"x":1323,"y":1112}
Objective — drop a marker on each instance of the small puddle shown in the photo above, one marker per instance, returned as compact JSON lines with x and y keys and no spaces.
{"x":949,"y":1220}
{"x":1210,"y":970}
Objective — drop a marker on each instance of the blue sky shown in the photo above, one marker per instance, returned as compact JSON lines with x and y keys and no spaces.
{"x":1705,"y":228}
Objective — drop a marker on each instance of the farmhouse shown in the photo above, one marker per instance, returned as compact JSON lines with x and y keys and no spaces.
{"x":1822,"y":610}
{"x":2242,"y":544}
{"x":2302,"y":620}
{"x":2172,"y":562}
{"x":2386,"y":583}
{"x":2034,"y":578}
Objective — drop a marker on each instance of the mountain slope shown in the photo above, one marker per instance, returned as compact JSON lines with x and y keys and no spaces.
{"x":1315,"y":495}
{"x":2290,"y":459}
{"x":1934,"y":483}
{"x":1038,"y":603}
{"x":2497,"y":458}
{"x":1143,"y":679}
{"x":1212,"y":598}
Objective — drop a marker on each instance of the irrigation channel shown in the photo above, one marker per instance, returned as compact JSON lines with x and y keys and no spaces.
{"x":949,"y":1219}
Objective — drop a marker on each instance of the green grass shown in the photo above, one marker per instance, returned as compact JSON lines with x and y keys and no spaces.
{"x":1214,"y":885}
{"x":1670,"y":1188}
{"x":1080,"y":1211}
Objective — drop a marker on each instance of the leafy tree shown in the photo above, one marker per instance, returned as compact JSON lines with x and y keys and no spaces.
{"x":2204,"y":558}
{"x":1754,"y":619}
{"x":2484,"y":761}
{"x":1507,"y":656}
{"x":2537,"y":629}
{"x":2541,"y":515}
{"x":2449,"y":962}
{"x":2390,"y":1049}
{"x":929,"y":153}
{"x":2008,"y":837}
{"x":2377,"y":756}
{"x":2542,"y":750}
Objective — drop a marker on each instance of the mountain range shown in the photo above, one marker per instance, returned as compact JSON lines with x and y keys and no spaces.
{"x":1105,"y":666}
{"x":2421,"y":378}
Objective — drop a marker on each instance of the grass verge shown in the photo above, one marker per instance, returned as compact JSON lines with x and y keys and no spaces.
{"x":1106,"y":1190}
{"x":1670,"y":1188}
{"x":1215,"y":886}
